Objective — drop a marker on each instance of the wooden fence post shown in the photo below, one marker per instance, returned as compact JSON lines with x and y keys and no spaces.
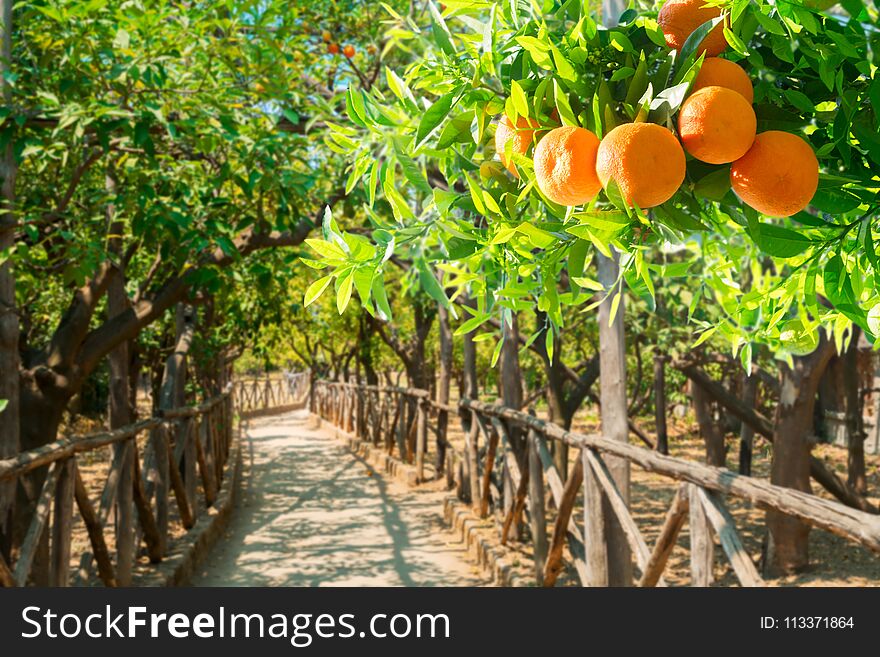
{"x":421,"y":439}
{"x":536,"y":506}
{"x":125,"y":544}
{"x":63,"y":523}
{"x":702,"y":547}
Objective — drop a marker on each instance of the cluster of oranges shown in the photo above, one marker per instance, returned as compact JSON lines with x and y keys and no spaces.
{"x":333,"y":47}
{"x":774,"y":172}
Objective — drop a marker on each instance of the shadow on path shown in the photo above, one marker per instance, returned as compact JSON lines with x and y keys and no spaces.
{"x":313,"y":514}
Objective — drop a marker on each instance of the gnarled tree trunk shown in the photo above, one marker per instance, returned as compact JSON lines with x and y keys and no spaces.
{"x":788,"y":538}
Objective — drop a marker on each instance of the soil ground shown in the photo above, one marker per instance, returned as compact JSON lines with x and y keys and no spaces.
{"x":834,"y":561}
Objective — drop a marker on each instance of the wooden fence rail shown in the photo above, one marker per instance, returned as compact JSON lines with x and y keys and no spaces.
{"x":507,"y":477}
{"x":182,"y":454}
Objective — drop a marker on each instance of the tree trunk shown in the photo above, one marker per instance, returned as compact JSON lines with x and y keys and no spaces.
{"x":469,"y":390}
{"x":9,"y":324}
{"x":855,"y":434}
{"x":119,"y":410}
{"x":443,"y":386}
{"x":510,"y":375}
{"x":710,"y":431}
{"x":746,"y":432}
{"x":602,"y":521}
{"x":557,"y":403}
{"x":660,"y":403}
{"x":788,"y":539}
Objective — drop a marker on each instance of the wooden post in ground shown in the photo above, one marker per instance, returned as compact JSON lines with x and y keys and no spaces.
{"x":63,"y":523}
{"x":702,"y":547}
{"x":609,"y":561}
{"x":536,"y":507}
{"x":421,"y":439}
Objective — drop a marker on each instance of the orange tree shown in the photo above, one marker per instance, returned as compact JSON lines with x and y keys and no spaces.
{"x":152,"y":154}
{"x":796,"y":284}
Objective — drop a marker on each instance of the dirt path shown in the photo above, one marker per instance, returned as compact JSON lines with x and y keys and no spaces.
{"x":313,"y":514}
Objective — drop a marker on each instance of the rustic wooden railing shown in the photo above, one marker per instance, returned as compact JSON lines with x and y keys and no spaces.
{"x":271,"y":394}
{"x":181,"y":452}
{"x":395,"y":418}
{"x":514,"y":467}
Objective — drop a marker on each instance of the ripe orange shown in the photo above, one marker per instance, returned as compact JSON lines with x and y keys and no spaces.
{"x":565,"y":165}
{"x":718,"y":72}
{"x":333,"y":48}
{"x":645,"y":160}
{"x":679,"y":18}
{"x":519,"y":138}
{"x":348,"y":51}
{"x":778,"y":176}
{"x":717,"y":125}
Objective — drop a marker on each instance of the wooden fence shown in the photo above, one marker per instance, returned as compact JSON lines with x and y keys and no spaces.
{"x":181,"y":452}
{"x":258,"y":396}
{"x":508,"y":477}
{"x":395,"y":418}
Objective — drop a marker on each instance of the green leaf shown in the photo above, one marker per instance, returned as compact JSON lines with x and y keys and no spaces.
{"x":696,"y":38}
{"x":363,"y":283}
{"x":538,"y":50}
{"x":735,"y":42}
{"x":615,"y":305}
{"x":430,"y":284}
{"x":472,"y":324}
{"x":496,"y":353}
{"x":382,"y":306}
{"x":549,"y":344}
{"x":344,"y":285}
{"x":778,"y":241}
{"x":326,"y":249}
{"x":434,"y":116}
{"x":800,"y":100}
{"x":713,"y":186}
{"x":705,"y":335}
{"x":539,"y":238}
{"x":316,"y":289}
{"x":588,"y":283}
{"x":520,"y":101}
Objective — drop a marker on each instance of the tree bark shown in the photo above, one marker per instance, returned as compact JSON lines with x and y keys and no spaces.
{"x":788,"y":538}
{"x":855,"y":434}
{"x":747,"y":432}
{"x":119,"y":410}
{"x":711,"y":432}
{"x":9,"y":322}
{"x":612,"y":365}
{"x":443,"y":385}
{"x":660,"y":403}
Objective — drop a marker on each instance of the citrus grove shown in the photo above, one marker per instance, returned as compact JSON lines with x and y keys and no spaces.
{"x":729,"y":144}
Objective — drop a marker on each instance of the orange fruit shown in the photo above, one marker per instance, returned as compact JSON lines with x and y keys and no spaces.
{"x":519,"y":138}
{"x":717,"y":125}
{"x":348,"y":51}
{"x":679,"y":18}
{"x":565,"y":165}
{"x":326,"y":36}
{"x":718,"y":72}
{"x":645,"y":160}
{"x":333,"y":48}
{"x":778,"y":176}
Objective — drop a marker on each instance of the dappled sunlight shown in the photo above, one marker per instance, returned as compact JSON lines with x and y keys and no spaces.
{"x":313,"y":514}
